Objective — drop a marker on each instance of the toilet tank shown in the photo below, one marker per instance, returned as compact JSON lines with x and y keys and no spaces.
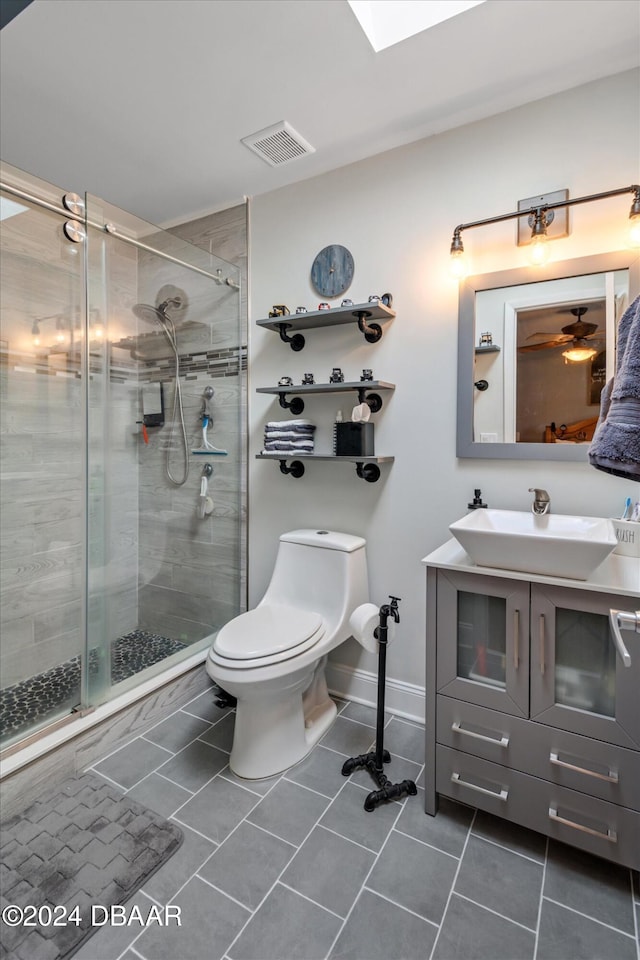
{"x":320,"y":570}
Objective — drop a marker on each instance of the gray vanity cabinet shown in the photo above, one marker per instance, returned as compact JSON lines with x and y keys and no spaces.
{"x":531,"y":713}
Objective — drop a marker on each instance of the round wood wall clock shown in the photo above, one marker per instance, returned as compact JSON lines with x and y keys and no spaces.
{"x":332,"y":271}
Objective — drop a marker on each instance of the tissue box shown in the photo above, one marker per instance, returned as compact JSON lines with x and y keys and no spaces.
{"x":354,"y":439}
{"x":628,"y":536}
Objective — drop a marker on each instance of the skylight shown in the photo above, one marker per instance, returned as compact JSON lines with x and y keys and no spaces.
{"x":386,"y":22}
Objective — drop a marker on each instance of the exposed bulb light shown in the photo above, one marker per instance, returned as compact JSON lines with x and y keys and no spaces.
{"x":60,"y":337}
{"x":35,"y":334}
{"x":578,"y":353}
{"x":458,"y":262}
{"x":538,"y":249}
{"x":634,"y":221}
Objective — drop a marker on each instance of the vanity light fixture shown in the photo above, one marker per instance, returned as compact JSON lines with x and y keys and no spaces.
{"x":539,"y":219}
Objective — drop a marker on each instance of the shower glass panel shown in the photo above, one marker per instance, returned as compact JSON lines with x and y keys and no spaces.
{"x":42,"y":467}
{"x":164,"y":449}
{"x":122,"y":385}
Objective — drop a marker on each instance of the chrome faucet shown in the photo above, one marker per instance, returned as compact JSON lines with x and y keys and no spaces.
{"x":541,"y":502}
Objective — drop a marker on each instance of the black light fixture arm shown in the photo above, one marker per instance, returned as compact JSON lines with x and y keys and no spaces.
{"x":539,"y":212}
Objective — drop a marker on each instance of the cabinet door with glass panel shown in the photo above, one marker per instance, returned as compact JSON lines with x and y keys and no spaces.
{"x":579,"y":679}
{"x":483,"y":641}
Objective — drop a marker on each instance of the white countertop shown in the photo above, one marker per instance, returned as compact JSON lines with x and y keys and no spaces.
{"x":617,"y":574}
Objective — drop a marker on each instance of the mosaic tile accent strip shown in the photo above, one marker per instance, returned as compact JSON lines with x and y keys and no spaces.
{"x":33,"y":701}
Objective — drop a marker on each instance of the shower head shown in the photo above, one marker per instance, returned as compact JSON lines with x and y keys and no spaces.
{"x":144,"y":311}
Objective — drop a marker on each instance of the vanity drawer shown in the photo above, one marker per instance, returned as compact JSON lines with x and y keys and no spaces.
{"x":567,"y":759}
{"x":604,"y":829}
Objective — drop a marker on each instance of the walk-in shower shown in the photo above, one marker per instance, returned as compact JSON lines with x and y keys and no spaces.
{"x":111,"y":570}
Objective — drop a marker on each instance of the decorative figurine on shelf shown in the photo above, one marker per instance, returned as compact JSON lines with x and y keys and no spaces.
{"x":347,"y":303}
{"x":308,"y":378}
{"x":278,"y":311}
{"x":374,"y":298}
{"x":486,"y":339}
{"x":285,"y":382}
{"x":324,"y":306}
{"x":367,"y":374}
{"x":301,"y":309}
{"x":337,"y":376}
{"x":387,"y":299}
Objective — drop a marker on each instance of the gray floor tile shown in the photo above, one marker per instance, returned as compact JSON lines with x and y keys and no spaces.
{"x":361,"y":712}
{"x":132,"y":763}
{"x":210,"y":921}
{"x":414,"y":876}
{"x":261,"y":787}
{"x":329,"y":870}
{"x":589,"y":884}
{"x":405,"y":739}
{"x":564,"y":933}
{"x":204,"y":706}
{"x":447,"y":831}
{"x":379,"y":930}
{"x":469,"y":932}
{"x":397,"y":770}
{"x":177,"y":731}
{"x":247,"y":864}
{"x":501,"y":880}
{"x":320,"y":771}
{"x":349,"y":737}
{"x":217,"y":809}
{"x":109,"y":941}
{"x":221,"y":733}
{"x":307,"y":933}
{"x":159,"y":794}
{"x":193,"y":766}
{"x":510,"y":835}
{"x":193,"y":852}
{"x":289,"y":811}
{"x":347,"y":816}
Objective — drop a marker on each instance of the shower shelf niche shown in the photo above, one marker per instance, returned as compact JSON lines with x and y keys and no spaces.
{"x":360,"y":313}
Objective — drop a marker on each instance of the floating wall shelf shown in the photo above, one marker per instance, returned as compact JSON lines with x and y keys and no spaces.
{"x":362,"y":388}
{"x":360,"y":313}
{"x":488,"y":349}
{"x":366,"y":467}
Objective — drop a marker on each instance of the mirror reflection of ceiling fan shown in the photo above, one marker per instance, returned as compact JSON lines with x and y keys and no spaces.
{"x":577,"y":338}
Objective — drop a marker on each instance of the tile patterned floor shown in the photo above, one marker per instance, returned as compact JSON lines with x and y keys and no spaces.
{"x":293,"y":868}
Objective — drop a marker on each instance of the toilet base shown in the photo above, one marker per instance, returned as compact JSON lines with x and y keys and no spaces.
{"x":272,"y":735}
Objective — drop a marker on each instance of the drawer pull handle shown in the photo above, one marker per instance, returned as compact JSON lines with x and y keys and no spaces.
{"x":516,"y":638}
{"x":503,"y":795}
{"x":611,"y":777}
{"x":541,"y":634}
{"x":629,"y":621}
{"x":610,"y":835}
{"x":498,"y":741}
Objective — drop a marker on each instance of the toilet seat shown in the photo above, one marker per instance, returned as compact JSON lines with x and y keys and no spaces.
{"x":268,"y":634}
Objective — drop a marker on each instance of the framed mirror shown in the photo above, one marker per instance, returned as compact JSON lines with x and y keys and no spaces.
{"x":534,"y":351}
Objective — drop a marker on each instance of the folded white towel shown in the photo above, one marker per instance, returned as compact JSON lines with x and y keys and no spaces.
{"x":290,"y":425}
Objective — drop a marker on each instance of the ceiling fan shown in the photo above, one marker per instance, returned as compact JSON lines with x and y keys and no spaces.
{"x":577,"y":334}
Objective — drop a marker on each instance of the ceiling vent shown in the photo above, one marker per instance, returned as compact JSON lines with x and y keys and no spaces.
{"x":278,"y":144}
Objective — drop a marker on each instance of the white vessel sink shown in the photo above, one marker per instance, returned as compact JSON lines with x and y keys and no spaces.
{"x":553,"y":545}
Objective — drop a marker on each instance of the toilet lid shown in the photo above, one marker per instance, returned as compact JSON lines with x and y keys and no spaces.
{"x":270,"y":629}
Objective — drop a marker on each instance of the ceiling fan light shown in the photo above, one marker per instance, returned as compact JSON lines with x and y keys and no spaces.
{"x":578,"y":354}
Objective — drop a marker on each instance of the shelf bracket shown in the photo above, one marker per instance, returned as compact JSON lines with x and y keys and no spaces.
{"x":368,"y":471}
{"x":296,"y":342}
{"x":296,"y":469}
{"x":296,"y":404}
{"x":373,"y":400}
{"x":373,"y":331}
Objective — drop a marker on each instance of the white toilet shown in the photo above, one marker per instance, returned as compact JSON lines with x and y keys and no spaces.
{"x":272,"y":658}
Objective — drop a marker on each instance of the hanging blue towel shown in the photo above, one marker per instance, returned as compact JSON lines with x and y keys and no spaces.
{"x":616,"y":441}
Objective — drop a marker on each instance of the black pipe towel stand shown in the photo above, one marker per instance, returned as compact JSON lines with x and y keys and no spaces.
{"x":374,"y":761}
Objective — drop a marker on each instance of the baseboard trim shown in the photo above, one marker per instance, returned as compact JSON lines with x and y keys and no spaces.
{"x":404,"y":699}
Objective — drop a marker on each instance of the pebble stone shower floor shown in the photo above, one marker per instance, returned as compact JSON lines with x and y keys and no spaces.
{"x":35,"y":700}
{"x":292,"y":868}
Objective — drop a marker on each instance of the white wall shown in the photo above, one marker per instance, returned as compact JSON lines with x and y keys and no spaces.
{"x":396,"y":213}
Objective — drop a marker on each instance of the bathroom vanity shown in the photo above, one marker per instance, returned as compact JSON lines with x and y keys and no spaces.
{"x":531,"y":712}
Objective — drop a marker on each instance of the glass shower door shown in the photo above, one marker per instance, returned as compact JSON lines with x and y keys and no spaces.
{"x":42,"y":457}
{"x":165,"y":449}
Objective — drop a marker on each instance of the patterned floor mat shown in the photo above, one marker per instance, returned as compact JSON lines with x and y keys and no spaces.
{"x":80,"y":846}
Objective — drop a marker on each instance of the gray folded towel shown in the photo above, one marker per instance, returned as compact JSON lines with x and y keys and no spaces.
{"x":615,"y":447}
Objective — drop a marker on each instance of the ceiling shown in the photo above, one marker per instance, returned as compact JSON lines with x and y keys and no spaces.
{"x":144,"y":102}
